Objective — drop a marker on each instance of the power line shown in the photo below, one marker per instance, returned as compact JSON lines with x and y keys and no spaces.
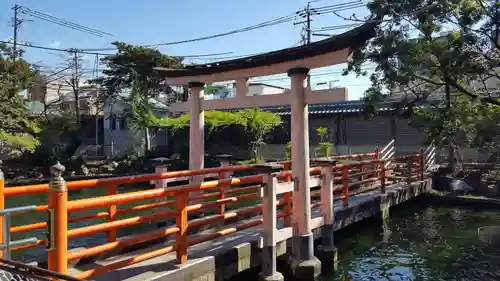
{"x":337,"y":27}
{"x":231,"y":32}
{"x":339,"y":7}
{"x":284,"y":19}
{"x":73,"y":50}
{"x":61,"y":22}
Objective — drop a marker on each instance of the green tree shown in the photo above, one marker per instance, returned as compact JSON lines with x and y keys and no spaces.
{"x":325,"y":147}
{"x":132,"y":69}
{"x":473,"y":123}
{"x":257,"y":123}
{"x":424,"y":47}
{"x":135,"y":63}
{"x":17,"y":128}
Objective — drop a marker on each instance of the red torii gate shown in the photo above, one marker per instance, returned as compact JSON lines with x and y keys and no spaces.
{"x":296,"y":62}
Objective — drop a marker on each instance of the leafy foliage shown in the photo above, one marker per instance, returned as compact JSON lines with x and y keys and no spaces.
{"x":426,"y":50}
{"x":17,"y":128}
{"x":421,"y":46}
{"x":324,"y":148}
{"x":132,"y":63}
{"x":288,"y":151}
{"x":474,"y":123}
{"x":257,"y":123}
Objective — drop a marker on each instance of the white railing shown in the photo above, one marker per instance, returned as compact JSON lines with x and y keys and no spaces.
{"x":7,"y":243}
{"x":388,"y":152}
{"x":429,"y":157}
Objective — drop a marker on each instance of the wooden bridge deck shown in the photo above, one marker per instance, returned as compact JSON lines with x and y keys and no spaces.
{"x":223,"y":257}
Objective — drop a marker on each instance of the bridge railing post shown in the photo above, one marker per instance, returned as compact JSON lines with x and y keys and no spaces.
{"x":421,"y":164}
{"x":111,"y":235}
{"x":2,"y":202}
{"x":287,"y":198}
{"x":327,"y":252}
{"x":345,"y":185}
{"x":181,"y":220}
{"x":224,"y":160}
{"x":382,"y":175}
{"x":409,"y":164}
{"x":58,"y":221}
{"x":268,"y":193}
{"x":161,"y":165}
{"x":269,"y":213}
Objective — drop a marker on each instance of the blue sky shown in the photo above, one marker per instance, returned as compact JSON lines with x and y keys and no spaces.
{"x":151,"y":22}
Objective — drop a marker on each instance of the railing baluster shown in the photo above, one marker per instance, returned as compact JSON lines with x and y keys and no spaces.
{"x":287,"y":197}
{"x":181,"y":221}
{"x":111,"y":235}
{"x":269,"y":213}
{"x":345,"y":184}
{"x":224,"y":162}
{"x":382,"y":176}
{"x":421,"y":164}
{"x":58,"y":227}
{"x":409,"y":162}
{"x":6,"y":236}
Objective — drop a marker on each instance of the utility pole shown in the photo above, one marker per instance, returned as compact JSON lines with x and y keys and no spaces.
{"x":74,"y":84}
{"x":307,"y":13}
{"x":308,"y":23}
{"x":97,"y":103}
{"x":16,"y":23}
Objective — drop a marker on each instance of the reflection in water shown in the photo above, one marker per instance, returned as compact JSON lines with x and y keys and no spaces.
{"x":430,"y":244}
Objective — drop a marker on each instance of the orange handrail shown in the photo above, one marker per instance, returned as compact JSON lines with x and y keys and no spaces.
{"x":75,"y":185}
{"x":106,"y":201}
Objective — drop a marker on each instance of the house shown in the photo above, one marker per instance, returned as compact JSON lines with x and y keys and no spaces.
{"x":121,"y":137}
{"x":56,"y":97}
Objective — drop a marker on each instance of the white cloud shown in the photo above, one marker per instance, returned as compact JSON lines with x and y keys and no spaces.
{"x":55,"y":44}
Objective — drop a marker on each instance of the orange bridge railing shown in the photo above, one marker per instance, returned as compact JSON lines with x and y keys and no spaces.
{"x":226,"y":198}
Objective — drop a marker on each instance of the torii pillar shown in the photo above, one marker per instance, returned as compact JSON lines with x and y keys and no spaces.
{"x":304,"y":264}
{"x":196,"y":129}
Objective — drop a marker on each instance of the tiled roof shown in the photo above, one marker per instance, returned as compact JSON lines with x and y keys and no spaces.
{"x":351,"y":39}
{"x":324,"y":108}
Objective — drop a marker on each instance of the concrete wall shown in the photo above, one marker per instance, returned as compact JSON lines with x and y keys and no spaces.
{"x":259,"y":90}
{"x":352,"y":134}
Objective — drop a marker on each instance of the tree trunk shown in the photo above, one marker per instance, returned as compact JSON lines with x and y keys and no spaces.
{"x":451,"y":152}
{"x":147,"y":142}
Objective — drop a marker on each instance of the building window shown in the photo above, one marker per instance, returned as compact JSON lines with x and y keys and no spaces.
{"x":123,"y":124}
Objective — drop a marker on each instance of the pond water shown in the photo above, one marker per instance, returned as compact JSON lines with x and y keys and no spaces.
{"x":420,"y":243}
{"x":424,"y":243}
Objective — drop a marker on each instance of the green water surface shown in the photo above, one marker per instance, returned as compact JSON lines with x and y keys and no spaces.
{"x":420,"y":243}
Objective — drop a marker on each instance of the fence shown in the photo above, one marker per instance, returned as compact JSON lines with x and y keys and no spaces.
{"x":264,"y":195}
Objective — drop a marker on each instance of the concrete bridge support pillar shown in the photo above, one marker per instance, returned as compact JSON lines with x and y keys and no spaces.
{"x":327,"y":252}
{"x":384,"y":216}
{"x":304,"y":265}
